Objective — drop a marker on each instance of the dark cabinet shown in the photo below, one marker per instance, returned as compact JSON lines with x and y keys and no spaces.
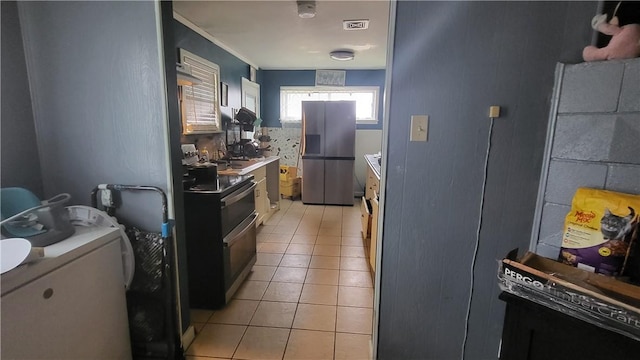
{"x":535,"y":332}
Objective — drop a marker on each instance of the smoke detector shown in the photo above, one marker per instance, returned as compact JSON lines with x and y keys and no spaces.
{"x":306,"y":9}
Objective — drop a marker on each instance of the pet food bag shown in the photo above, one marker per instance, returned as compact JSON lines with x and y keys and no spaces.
{"x":600,"y":230}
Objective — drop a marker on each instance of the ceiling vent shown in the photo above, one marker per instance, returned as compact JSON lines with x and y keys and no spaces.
{"x":355,"y":24}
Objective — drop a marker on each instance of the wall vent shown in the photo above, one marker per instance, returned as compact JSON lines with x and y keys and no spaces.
{"x":355,"y":24}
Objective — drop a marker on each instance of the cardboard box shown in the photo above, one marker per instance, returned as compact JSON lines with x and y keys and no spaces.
{"x":595,"y":298}
{"x":288,"y":172}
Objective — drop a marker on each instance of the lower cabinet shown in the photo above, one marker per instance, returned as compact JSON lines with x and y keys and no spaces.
{"x":260,"y":193}
{"x":374,"y":234}
{"x":535,"y":332}
{"x":262,"y":200}
{"x":365,"y":217}
{"x":371,"y":185}
{"x":77,"y":311}
{"x":267,"y":193}
{"x":369,"y":218}
{"x":369,"y":215}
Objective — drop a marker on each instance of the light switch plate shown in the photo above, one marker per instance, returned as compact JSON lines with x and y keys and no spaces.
{"x":419,"y":128}
{"x":494,"y":111}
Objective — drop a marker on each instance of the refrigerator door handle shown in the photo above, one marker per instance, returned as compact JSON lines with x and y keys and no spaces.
{"x":302,"y":142}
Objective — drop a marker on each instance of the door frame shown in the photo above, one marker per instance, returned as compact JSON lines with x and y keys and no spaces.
{"x":383,"y":179}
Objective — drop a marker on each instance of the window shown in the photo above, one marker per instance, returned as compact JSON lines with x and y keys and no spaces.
{"x":366,"y":98}
{"x":200,"y":103}
{"x":251,"y":96}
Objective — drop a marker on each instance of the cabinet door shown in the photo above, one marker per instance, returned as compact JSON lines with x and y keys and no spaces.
{"x":365,"y":218}
{"x":261,"y":200}
{"x":535,"y":332}
{"x":374,"y":234}
{"x":260,"y":193}
{"x":370,"y":184}
{"x":259,"y":173}
{"x":75,"y":312}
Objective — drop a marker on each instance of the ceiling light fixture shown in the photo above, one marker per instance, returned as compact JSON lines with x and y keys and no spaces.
{"x":342,"y":55}
{"x":306,"y":9}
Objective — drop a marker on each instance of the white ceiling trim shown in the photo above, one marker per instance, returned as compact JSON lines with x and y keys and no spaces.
{"x":208,"y":36}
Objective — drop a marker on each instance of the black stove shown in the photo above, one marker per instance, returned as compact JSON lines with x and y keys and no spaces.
{"x":220,"y":231}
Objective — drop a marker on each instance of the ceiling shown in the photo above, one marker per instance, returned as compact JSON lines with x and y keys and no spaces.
{"x":269,"y":34}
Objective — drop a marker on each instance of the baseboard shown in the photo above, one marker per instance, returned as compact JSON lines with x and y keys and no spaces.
{"x":188,"y":337}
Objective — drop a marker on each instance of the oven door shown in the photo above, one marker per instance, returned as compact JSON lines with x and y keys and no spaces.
{"x":237,"y":207}
{"x":239,"y":253}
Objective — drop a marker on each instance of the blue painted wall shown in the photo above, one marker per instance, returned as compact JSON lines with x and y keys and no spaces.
{"x":111,"y":133}
{"x":494,"y":53}
{"x":17,"y":126}
{"x":232,"y":69}
{"x":271,"y":80}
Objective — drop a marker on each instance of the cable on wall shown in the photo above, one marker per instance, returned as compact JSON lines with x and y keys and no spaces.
{"x":493,"y":113}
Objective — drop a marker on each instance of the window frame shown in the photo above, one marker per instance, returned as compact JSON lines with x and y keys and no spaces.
{"x":285,"y":90}
{"x":210,"y":84}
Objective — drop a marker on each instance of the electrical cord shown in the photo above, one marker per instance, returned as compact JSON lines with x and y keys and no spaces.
{"x":475,"y":250}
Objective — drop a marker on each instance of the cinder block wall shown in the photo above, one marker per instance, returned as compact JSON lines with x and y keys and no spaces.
{"x":595,"y":142}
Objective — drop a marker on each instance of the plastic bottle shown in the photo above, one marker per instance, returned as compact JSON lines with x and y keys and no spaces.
{"x":204,"y":155}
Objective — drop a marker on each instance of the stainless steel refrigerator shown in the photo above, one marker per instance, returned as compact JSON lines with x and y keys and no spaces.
{"x":328,"y":152}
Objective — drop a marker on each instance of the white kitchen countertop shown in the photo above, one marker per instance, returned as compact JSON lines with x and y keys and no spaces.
{"x":254,"y":164}
{"x":372,"y":161}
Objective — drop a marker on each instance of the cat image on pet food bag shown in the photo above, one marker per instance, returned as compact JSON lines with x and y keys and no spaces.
{"x":615,"y":227}
{"x":600,"y":230}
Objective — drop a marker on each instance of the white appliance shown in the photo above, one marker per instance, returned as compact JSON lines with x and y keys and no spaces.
{"x":81,"y":215}
{"x":69,"y":305}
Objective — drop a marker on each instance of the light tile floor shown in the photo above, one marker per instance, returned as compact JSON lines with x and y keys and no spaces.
{"x":309,"y":295}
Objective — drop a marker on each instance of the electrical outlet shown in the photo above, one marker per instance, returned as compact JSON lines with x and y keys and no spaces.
{"x":419,"y":128}
{"x":106,"y":197}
